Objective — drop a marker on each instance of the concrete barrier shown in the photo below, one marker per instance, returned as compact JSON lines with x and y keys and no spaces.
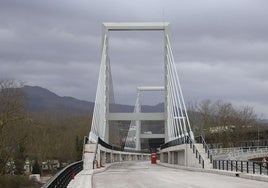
{"x":186,"y":155}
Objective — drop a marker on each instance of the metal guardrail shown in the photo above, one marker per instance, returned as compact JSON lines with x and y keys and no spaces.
{"x":115,"y":148}
{"x":185,"y":140}
{"x":250,"y":151}
{"x":252,"y":143}
{"x":178,"y":141}
{"x":63,"y":177}
{"x":197,"y":154}
{"x":205,"y":146}
{"x":239,"y":151}
{"x":250,"y":167}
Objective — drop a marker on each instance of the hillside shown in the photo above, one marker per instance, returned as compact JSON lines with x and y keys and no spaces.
{"x":41,"y":99}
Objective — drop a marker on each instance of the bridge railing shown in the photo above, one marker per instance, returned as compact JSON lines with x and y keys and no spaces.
{"x":63,"y":177}
{"x":201,"y":140}
{"x":250,"y":167}
{"x":250,"y":150}
{"x":178,"y":141}
{"x":197,"y":153}
{"x":186,"y":140}
{"x":107,"y":153}
{"x":115,"y":148}
{"x":238,"y":151}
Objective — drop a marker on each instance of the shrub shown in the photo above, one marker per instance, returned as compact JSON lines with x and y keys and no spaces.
{"x":11,"y":181}
{"x":36,"y":168}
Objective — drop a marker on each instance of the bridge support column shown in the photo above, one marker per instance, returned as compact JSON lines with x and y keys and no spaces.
{"x":89,"y":154}
{"x":169,"y":157}
{"x":182,"y":155}
{"x":102,"y":157}
{"x":173,"y":156}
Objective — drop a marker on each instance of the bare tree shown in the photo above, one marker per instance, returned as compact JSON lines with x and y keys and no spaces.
{"x":12,"y":114}
{"x":206,"y":111}
{"x":221,"y":123}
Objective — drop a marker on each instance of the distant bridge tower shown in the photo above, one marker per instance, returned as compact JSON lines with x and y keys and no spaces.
{"x":175,"y":116}
{"x":133,"y":141}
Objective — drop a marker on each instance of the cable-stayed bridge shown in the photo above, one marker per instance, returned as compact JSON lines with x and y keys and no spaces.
{"x":180,"y":148}
{"x":176,"y":121}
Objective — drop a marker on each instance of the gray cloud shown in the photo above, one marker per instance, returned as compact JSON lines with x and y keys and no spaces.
{"x":220,"y":47}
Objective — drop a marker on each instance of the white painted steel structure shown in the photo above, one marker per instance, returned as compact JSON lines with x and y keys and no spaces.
{"x":133,"y":141}
{"x":177,"y":123}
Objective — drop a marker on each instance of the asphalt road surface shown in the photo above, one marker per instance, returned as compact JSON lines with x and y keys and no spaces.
{"x":144,"y":174}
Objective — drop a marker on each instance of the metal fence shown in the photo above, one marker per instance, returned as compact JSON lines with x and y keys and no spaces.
{"x":115,"y":148}
{"x":197,"y":153}
{"x":250,"y":151}
{"x":62,"y":178}
{"x":201,"y":140}
{"x":188,"y":140}
{"x":250,"y":167}
{"x":178,"y":141}
{"x":240,"y":153}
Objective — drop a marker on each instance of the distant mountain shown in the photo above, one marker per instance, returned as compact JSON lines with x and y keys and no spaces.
{"x":263,"y":122}
{"x":41,"y":99}
{"x":157,"y":108}
{"x":144,"y":108}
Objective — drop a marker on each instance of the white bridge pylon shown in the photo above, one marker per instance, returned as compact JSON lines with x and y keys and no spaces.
{"x":175,"y":115}
{"x":133,"y":140}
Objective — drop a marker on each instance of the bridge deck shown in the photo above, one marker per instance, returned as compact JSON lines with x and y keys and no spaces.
{"x":143,"y":174}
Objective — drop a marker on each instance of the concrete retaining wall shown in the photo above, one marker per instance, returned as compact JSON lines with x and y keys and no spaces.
{"x":180,"y":155}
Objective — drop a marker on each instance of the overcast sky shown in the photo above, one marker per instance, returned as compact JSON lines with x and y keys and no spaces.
{"x":220,"y":47}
